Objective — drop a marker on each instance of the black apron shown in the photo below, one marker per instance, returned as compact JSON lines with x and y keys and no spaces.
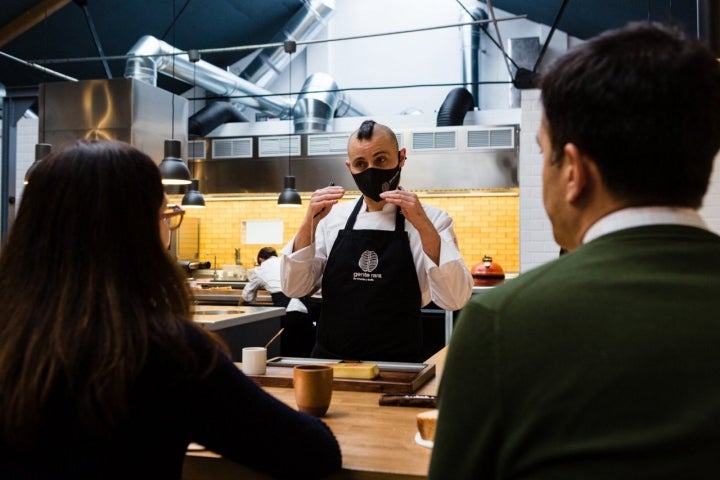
{"x":371,"y":296}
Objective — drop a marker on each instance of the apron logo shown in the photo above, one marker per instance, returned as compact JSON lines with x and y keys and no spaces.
{"x":367,"y":263}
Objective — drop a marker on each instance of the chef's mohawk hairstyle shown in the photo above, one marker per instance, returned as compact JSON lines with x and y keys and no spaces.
{"x":365,"y":131}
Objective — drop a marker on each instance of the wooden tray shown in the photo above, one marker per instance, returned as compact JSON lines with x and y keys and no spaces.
{"x":395,"y":377}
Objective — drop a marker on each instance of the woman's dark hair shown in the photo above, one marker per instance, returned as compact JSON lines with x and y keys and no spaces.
{"x":643,"y":103}
{"x":86,"y":289}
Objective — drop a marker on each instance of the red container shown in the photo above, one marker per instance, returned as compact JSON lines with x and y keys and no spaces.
{"x":487,"y":273}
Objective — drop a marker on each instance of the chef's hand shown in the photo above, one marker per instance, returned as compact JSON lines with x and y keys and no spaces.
{"x":412,"y":209}
{"x":322,"y":200}
{"x":409,"y":205}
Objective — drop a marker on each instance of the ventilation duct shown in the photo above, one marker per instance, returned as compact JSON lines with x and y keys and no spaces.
{"x":453,"y":110}
{"x":320,"y":100}
{"x":211,"y":116}
{"x":471,"y":50}
{"x":268,"y":63}
{"x":152,"y":55}
{"x":318,"y":103}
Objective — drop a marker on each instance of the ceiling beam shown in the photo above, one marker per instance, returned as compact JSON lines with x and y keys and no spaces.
{"x":28,"y":19}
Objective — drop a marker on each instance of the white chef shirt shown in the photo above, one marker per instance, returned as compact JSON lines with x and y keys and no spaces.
{"x":449,"y":284}
{"x":267,"y":276}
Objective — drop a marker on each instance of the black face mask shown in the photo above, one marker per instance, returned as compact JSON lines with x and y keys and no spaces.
{"x":373,"y":181}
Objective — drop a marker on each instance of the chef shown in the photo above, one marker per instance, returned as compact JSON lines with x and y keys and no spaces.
{"x":378,"y":259}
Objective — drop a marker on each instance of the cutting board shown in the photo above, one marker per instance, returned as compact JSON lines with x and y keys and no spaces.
{"x":394,"y":377}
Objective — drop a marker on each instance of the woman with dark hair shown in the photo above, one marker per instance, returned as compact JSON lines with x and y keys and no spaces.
{"x":103,"y":373}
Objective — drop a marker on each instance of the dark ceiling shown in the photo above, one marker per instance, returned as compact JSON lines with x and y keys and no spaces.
{"x":68,"y":32}
{"x":64,"y":30}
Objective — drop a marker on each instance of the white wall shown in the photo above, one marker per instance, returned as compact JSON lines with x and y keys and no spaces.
{"x":427,"y":64}
{"x":537,"y":245}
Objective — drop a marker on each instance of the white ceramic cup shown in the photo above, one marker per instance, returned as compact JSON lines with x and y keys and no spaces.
{"x":254,"y":360}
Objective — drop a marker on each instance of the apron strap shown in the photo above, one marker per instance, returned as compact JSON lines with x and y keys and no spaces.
{"x":399,"y":217}
{"x":353,"y":216}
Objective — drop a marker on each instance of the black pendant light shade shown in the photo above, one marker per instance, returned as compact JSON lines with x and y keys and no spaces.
{"x":193,"y":198}
{"x":42,"y":150}
{"x":172,"y":169}
{"x":289,"y":197}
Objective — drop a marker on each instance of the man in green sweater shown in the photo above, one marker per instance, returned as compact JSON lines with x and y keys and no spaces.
{"x":604,"y":363}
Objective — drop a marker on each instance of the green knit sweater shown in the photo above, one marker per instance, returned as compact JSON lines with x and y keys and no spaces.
{"x":603,"y":364}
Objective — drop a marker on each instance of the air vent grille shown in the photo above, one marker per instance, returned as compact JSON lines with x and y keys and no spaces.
{"x":232,"y":148}
{"x":327,"y":144}
{"x":279,"y":146}
{"x":434,"y":140}
{"x":491,"y":138}
{"x":196,"y":149}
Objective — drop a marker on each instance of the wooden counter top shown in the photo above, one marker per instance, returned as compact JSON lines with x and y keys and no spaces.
{"x":376,"y":442}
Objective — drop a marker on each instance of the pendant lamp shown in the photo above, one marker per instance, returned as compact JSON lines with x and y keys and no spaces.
{"x":172,"y":169}
{"x":193,"y":198}
{"x":289,"y":197}
{"x":42,"y":150}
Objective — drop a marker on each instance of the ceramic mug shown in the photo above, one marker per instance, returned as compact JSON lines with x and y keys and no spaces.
{"x":313,"y":388}
{"x":254,"y":360}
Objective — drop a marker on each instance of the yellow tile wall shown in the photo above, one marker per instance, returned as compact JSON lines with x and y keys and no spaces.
{"x":486,"y":223}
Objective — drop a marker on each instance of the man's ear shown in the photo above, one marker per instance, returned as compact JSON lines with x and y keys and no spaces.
{"x":401,"y":157}
{"x":575,"y":172}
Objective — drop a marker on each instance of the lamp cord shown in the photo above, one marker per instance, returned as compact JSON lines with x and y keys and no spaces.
{"x":290,"y":122}
{"x":172,"y":95}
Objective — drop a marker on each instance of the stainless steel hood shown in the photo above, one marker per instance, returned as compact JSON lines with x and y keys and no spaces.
{"x":119,"y":109}
{"x":251,"y":158}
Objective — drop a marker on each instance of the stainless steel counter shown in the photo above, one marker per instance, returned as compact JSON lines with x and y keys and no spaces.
{"x":216,"y":317}
{"x":243,"y":326}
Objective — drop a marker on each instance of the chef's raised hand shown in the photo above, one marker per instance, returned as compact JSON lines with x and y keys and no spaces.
{"x":322,"y":200}
{"x":409,"y":205}
{"x":412,"y":209}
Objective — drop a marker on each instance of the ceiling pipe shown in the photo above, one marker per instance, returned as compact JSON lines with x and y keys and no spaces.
{"x":151,"y":55}
{"x":453,"y":110}
{"x":471,"y":52}
{"x":268,"y":63}
{"x":319,"y":101}
{"x":212,"y":116}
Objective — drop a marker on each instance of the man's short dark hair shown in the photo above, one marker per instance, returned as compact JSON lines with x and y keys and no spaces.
{"x":366,"y":130}
{"x":643,"y":102}
{"x":266,"y":252}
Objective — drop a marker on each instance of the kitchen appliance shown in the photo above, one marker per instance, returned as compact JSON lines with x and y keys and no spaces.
{"x":189,"y":266}
{"x":487,"y":273}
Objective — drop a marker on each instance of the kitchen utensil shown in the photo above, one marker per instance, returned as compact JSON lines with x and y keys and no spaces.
{"x":274,"y":337}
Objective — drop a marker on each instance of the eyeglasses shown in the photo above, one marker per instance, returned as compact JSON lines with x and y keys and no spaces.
{"x":173,"y":216}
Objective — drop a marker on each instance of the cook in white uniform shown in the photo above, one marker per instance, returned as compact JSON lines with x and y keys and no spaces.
{"x":298,"y":335}
{"x":380,"y":258}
